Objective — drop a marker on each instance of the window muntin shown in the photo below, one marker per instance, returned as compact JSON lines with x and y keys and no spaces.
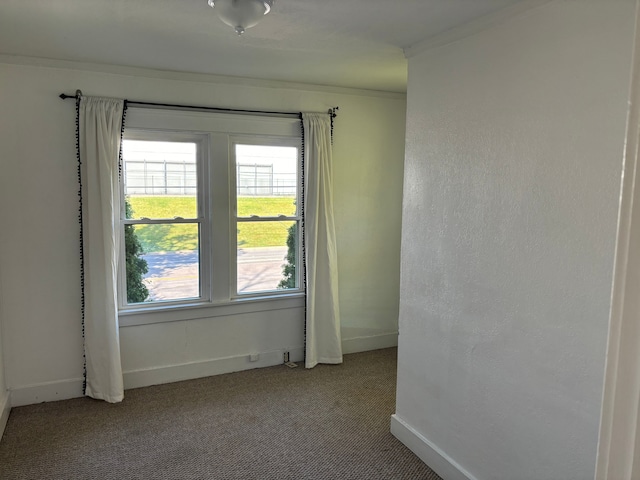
{"x":161,"y":212}
{"x":267,"y":222}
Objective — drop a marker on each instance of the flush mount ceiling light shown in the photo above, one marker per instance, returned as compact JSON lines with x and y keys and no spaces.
{"x":241,"y":14}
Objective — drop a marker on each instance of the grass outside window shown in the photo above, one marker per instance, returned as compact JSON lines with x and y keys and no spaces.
{"x":179,"y":237}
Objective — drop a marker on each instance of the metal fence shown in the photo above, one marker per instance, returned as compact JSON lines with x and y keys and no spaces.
{"x":156,"y":177}
{"x":260,"y":180}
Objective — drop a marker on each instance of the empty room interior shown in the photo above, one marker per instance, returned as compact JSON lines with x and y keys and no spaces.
{"x":303,"y":239}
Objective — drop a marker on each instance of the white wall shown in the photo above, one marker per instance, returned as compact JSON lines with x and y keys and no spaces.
{"x":39,"y":254}
{"x":515,"y":141}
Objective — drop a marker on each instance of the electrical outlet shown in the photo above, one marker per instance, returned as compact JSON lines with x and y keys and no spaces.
{"x":286,"y":357}
{"x":254,"y":357}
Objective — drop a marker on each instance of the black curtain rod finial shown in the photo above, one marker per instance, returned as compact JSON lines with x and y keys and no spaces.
{"x":64,"y":96}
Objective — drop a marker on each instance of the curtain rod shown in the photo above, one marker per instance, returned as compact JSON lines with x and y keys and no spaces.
{"x":331,"y":111}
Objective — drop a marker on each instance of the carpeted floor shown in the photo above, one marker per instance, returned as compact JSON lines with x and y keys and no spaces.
{"x":331,"y":422}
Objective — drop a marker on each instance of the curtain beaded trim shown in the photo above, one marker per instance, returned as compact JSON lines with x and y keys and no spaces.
{"x":124,"y":117}
{"x":332,"y":114}
{"x":80,"y":214}
{"x":303,"y":271}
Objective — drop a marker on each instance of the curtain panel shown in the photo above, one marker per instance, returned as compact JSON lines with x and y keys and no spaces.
{"x":100,"y":126}
{"x":323,"y":340}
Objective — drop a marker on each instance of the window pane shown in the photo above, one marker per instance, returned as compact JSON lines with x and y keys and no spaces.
{"x":162,"y":262}
{"x":160,"y":179}
{"x":267,"y":256}
{"x":267,"y":180}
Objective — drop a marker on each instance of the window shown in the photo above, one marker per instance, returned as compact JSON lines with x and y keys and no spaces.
{"x":164,"y":218}
{"x":210,"y":210}
{"x":267,"y":219}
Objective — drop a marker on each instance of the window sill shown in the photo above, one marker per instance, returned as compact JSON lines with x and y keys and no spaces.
{"x":176,"y":313}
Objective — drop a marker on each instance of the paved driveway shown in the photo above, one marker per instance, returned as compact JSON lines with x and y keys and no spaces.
{"x":174,"y":275}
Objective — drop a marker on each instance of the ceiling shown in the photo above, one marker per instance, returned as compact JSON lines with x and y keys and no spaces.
{"x":346,"y":43}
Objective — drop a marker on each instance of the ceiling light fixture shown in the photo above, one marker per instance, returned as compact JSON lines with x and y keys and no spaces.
{"x":241,"y":14}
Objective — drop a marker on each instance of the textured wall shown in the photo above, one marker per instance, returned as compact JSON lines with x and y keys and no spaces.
{"x":38,"y":194}
{"x":513,"y":162}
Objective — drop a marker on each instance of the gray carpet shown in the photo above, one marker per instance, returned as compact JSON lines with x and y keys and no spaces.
{"x":331,"y":422}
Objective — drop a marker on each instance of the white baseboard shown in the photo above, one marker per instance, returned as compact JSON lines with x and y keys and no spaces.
{"x":72,"y":388}
{"x":46,"y":392}
{"x":65,"y":389}
{"x":436,"y":459}
{"x":205,"y":368}
{"x":369,"y":342}
{"x":218,"y":366}
{"x":296,"y":354}
{"x":5,"y":409}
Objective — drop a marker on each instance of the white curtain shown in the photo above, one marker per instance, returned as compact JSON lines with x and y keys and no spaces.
{"x":100,"y":124}
{"x":323,"y":340}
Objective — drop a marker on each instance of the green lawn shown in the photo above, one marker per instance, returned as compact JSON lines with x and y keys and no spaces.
{"x":157,"y":238}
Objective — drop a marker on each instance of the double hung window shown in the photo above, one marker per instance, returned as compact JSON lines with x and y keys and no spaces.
{"x":164,"y":217}
{"x":266,"y":215}
{"x":210,"y":210}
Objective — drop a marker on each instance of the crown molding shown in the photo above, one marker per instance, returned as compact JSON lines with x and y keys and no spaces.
{"x":190,"y":76}
{"x":473,"y":27}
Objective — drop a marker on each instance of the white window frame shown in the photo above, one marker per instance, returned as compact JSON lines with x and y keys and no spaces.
{"x":271,"y":142}
{"x":202,"y":219}
{"x":216,"y":184}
